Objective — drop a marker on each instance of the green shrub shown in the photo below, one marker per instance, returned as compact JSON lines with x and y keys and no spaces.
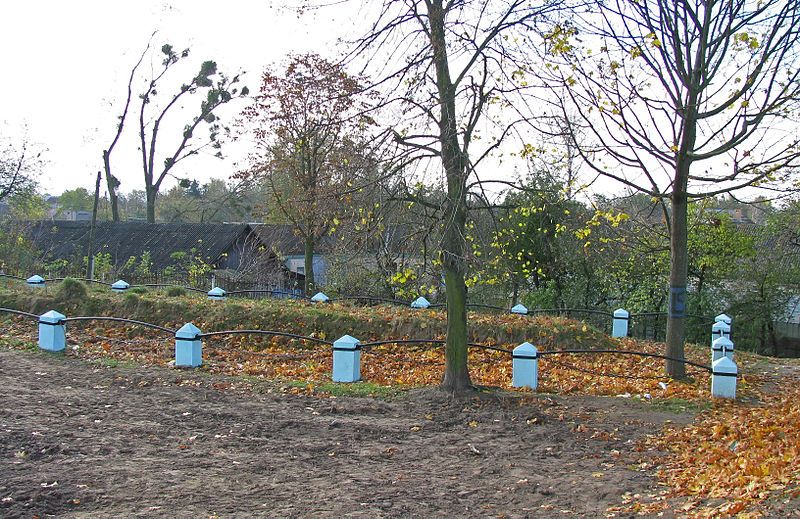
{"x":71,"y":289}
{"x":176,"y":292}
{"x":138,"y":290}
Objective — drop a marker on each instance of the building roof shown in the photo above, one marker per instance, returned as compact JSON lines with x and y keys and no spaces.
{"x":70,"y":239}
{"x":282,"y":239}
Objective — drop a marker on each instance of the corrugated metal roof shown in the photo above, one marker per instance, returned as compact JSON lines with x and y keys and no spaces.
{"x":67,"y":239}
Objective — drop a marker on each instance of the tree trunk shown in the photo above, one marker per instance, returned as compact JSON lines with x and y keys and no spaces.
{"x":151,"y":193}
{"x":676,"y":317}
{"x":515,"y":293}
{"x":456,"y":376}
{"x":111,"y":183}
{"x":310,"y":285}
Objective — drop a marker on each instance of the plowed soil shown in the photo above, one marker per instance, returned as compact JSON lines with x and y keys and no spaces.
{"x":79,"y":439}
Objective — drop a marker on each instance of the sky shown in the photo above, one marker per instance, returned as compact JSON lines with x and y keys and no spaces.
{"x":66,"y":66}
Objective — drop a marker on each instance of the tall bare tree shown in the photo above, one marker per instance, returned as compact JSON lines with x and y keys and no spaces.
{"x":451,"y":70}
{"x":112,"y":182}
{"x":682,"y":100}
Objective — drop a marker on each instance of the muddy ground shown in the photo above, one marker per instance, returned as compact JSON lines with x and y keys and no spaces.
{"x":79,"y":439}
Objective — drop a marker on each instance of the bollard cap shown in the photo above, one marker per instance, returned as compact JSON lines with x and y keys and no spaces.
{"x":188,"y":331}
{"x":724,"y":318}
{"x":720,"y":327}
{"x":52,"y":317}
{"x":319,"y":297}
{"x":35,"y":280}
{"x":519,"y":309}
{"x":722,"y":343}
{"x":525,"y":350}
{"x":216,"y":292}
{"x":724,"y":366}
{"x":420,"y":302}
{"x":621,"y":312}
{"x":346,"y":342}
{"x":120,"y":284}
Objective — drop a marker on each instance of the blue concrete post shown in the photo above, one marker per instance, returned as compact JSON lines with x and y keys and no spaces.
{"x":525,"y":366}
{"x":519,"y":309}
{"x":35,"y":281}
{"x":188,"y":347}
{"x":420,"y":302}
{"x":720,"y":347}
{"x":319,"y":297}
{"x":620,"y":327}
{"x":52,"y":331}
{"x":346,"y":359}
{"x":723,"y":378}
{"x":727,"y":320}
{"x":720,"y":329}
{"x":216,"y":294}
{"x":728,"y":349}
{"x":120,"y":286}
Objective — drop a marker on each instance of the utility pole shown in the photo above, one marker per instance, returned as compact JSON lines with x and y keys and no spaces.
{"x":90,"y":260}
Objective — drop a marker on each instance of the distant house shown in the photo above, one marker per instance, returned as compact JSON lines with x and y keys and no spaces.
{"x":289,"y":248}
{"x":223,"y":246}
{"x":247,"y":254}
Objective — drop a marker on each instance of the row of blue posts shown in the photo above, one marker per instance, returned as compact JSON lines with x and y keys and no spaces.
{"x":347,"y":352}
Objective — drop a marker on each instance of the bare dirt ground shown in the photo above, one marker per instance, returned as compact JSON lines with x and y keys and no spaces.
{"x":84,"y":440}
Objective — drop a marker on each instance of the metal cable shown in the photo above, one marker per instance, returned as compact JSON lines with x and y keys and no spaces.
{"x":19,"y":312}
{"x":627,"y":352}
{"x":263,"y":332}
{"x":121,"y":320}
{"x":602,"y":374}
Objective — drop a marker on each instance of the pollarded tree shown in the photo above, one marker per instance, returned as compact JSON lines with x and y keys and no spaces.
{"x":218,"y":90}
{"x":310,"y":129}
{"x":682,"y":100}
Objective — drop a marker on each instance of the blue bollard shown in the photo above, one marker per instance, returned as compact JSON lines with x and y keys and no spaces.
{"x":216,"y":294}
{"x":525,"y":366}
{"x":420,"y":302}
{"x":52,"y":331}
{"x":519,"y":309}
{"x":720,"y":348}
{"x":120,"y":286}
{"x":188,"y":347}
{"x":346,"y":359}
{"x":720,"y":329}
{"x":35,"y":281}
{"x":620,"y":326}
{"x":723,"y":378}
{"x":319,"y":297}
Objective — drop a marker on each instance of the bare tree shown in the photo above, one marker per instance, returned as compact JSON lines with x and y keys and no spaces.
{"x":19,"y":166}
{"x":112,"y":182}
{"x":682,"y":100}
{"x":455,"y":87}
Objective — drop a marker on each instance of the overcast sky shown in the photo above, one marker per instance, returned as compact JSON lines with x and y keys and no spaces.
{"x":66,"y":65}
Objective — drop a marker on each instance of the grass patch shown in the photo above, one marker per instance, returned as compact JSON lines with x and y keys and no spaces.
{"x":14,"y":343}
{"x":358,"y":389}
{"x":680,"y":405}
{"x":111,"y":362}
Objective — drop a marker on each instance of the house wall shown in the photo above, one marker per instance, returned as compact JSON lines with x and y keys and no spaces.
{"x":296,"y":264}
